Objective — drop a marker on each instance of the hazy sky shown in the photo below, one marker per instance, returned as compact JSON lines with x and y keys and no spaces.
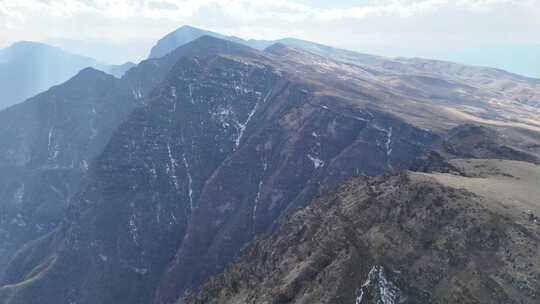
{"x":502,"y":33}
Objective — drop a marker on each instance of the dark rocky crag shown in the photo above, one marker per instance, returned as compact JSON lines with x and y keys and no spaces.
{"x":393,"y":239}
{"x":474,"y":141}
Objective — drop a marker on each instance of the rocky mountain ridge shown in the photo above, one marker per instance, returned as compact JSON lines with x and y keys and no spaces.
{"x":49,"y":142}
{"x":29,"y":68}
{"x":432,"y":88}
{"x":214,"y":145}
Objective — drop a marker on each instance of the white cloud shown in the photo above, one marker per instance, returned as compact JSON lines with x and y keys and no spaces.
{"x":392,"y":27}
{"x":281,"y":9}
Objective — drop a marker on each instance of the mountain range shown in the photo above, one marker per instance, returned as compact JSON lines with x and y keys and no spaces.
{"x":186,"y":34}
{"x":28,"y":68}
{"x":222,"y":170}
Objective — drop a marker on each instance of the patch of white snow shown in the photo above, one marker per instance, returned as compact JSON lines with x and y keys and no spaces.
{"x":171,"y":167}
{"x":190,"y":180}
{"x":317,"y":162}
{"x":389,"y":142}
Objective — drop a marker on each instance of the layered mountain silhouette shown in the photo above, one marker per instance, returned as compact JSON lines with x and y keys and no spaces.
{"x":139,"y":189}
{"x":28,"y":68}
{"x":186,"y":34}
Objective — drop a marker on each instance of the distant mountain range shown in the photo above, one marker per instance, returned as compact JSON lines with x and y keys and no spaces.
{"x":28,"y":68}
{"x":281,"y":172}
{"x":186,"y":34}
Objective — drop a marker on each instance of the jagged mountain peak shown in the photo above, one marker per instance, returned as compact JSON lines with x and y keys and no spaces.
{"x":189,"y":28}
{"x":90,"y":72}
{"x":32,"y":45}
{"x":88,"y":80}
{"x":279,"y":49}
{"x":205,"y":46}
{"x":183,"y":35}
{"x":210,"y":45}
{"x":151,"y":72}
{"x":28,"y":68}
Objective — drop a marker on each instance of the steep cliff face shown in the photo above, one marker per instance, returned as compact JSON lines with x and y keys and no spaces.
{"x":225,"y":146}
{"x":49,"y":141}
{"x":146,"y":183}
{"x":183,"y":36}
{"x":295,"y":146}
{"x":47,"y":144}
{"x":397,"y":239}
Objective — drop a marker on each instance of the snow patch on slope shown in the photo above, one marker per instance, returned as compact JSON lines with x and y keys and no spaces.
{"x":190,"y":88}
{"x":242,"y":126}
{"x":19,"y":194}
{"x":190,"y":180}
{"x":52,"y":148}
{"x":133,"y":230}
{"x":171,"y":167}
{"x":389,"y":141}
{"x":137,"y":93}
{"x":385,"y":291}
{"x":317,"y":162}
{"x":258,"y":196}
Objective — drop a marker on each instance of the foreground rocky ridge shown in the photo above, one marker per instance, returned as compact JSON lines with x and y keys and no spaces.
{"x":407,"y":238}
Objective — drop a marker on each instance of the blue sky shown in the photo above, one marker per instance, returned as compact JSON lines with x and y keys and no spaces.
{"x":499,"y":33}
